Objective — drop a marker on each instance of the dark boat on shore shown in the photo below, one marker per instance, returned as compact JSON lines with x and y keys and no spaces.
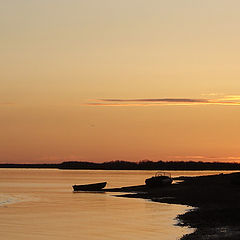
{"x":160,"y":179}
{"x":89,"y":187}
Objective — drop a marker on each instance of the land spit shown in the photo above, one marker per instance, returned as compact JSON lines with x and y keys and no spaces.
{"x":215,"y":198}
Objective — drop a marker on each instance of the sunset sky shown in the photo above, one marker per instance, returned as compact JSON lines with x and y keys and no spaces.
{"x":132,"y":79}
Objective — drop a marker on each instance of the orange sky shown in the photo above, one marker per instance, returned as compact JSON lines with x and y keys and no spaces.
{"x":105,"y":80}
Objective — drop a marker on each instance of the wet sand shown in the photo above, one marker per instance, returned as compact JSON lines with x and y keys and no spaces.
{"x":216,"y":202}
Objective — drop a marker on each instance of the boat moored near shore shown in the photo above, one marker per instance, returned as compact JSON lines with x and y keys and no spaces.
{"x":160,"y":179}
{"x":89,"y":187}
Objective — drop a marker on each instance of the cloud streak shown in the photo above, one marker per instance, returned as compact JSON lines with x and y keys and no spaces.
{"x":225,"y":100}
{"x":168,"y":100}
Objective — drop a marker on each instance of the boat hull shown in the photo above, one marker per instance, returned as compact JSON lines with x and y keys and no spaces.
{"x":89,"y":187}
{"x":158,"y":181}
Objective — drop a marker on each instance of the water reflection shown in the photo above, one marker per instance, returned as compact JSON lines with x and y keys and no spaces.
{"x":44,"y":207}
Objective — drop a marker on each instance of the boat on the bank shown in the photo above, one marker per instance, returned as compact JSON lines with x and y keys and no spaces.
{"x":89,"y":187}
{"x":160,"y":179}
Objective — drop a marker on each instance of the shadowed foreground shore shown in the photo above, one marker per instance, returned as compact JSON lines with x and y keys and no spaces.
{"x":216,"y":199}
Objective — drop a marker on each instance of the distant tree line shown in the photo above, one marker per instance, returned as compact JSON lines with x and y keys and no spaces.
{"x":141,"y":165}
{"x":149,"y":165}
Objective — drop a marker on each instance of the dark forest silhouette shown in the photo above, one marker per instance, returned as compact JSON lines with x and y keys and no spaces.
{"x":126,"y":165}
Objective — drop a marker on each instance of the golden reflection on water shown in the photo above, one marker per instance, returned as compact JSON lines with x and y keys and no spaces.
{"x":39,"y":204}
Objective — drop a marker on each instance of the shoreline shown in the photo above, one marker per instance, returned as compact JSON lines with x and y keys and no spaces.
{"x":215,"y":199}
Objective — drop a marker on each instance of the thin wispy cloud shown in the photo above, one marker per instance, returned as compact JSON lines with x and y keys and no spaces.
{"x":223,"y":100}
{"x":171,"y":100}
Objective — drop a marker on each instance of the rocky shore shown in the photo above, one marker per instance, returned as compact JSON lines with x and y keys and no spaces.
{"x":216,"y":202}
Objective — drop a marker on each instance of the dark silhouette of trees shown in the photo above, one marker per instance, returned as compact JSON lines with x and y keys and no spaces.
{"x":126,"y":165}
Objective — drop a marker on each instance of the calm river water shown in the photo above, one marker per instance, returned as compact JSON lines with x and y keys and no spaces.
{"x":39,"y":204}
